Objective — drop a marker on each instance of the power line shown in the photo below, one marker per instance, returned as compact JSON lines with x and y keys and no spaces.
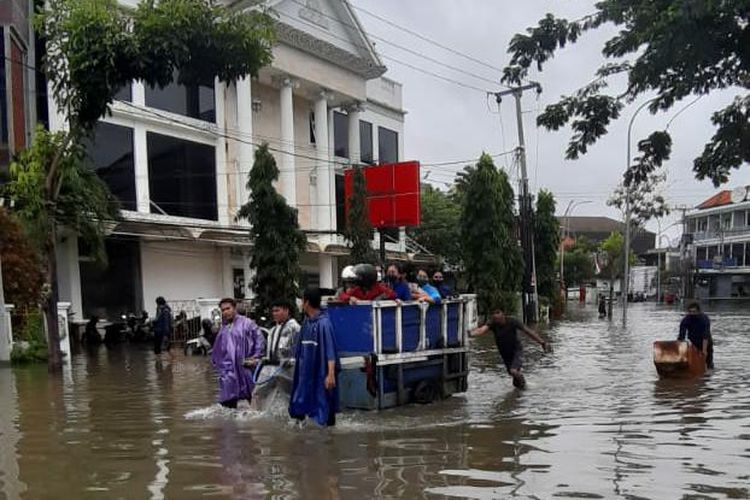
{"x":390,"y":58}
{"x":357,"y":29}
{"x":428,"y":40}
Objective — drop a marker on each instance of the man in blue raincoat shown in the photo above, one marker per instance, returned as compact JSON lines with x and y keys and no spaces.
{"x":315,"y":385}
{"x":238,"y":348}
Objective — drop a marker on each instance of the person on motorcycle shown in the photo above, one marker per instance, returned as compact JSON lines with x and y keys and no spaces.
{"x":367,"y":286}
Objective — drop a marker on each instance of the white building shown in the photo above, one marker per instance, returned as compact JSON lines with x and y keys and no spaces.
{"x":178,"y":160}
{"x":719,"y":232}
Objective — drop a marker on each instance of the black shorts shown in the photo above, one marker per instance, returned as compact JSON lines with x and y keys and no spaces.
{"x":513,"y":361}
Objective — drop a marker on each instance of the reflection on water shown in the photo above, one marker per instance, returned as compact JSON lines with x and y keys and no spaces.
{"x":595,"y":423}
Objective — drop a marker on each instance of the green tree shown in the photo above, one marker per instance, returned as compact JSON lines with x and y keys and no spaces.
{"x":670,"y":48}
{"x":492,"y":259}
{"x":359,"y":230}
{"x":546,"y":245}
{"x":578,"y":266}
{"x":94,"y":48}
{"x":277,"y":239}
{"x":440,"y":230}
{"x":612,"y":255}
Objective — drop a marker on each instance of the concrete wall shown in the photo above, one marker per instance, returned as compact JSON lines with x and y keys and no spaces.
{"x":179,"y":271}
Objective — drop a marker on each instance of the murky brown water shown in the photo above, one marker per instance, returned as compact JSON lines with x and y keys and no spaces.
{"x":594,"y":423}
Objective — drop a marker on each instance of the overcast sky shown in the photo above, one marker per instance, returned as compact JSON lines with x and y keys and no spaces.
{"x":448,"y":122}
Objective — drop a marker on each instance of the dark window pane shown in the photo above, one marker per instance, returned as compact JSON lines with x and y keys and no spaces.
{"x":387,"y":145}
{"x":365,"y":141}
{"x":42,"y":107}
{"x":112,"y":291}
{"x":340,"y":203}
{"x":312,"y":127}
{"x":340,"y":135}
{"x":125,"y":93}
{"x":747,"y":254}
{"x":195,"y":101}
{"x":182,"y":177}
{"x":110,"y":152}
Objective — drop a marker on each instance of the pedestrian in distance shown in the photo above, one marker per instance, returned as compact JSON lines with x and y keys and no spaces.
{"x":315,"y":383}
{"x":697,"y":328}
{"x":505,"y":330}
{"x":238,"y":348}
{"x":162,"y":325}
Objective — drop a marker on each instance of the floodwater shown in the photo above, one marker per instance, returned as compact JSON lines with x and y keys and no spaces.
{"x":595,"y":422}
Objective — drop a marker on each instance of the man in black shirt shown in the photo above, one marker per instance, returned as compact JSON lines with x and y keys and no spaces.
{"x":697,"y":328}
{"x":509,"y":346}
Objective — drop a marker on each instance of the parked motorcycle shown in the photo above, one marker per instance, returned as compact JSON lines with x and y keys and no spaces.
{"x":202,"y":344}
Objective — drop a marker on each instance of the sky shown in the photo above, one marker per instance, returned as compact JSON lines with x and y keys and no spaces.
{"x":449,"y":122}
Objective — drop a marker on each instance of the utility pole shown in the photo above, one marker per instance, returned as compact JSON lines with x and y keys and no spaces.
{"x":530,"y":297}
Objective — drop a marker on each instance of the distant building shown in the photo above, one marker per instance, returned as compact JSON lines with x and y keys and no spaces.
{"x":719,"y":232}
{"x":598,"y":229}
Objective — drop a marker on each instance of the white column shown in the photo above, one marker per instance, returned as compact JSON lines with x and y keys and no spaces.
{"x":355,"y":110}
{"x":227,"y":272}
{"x":248,"y":273}
{"x":222,"y":169}
{"x":140,"y":153}
{"x":69,"y":273}
{"x":327,"y":267}
{"x":245,"y":129}
{"x":375,"y":144}
{"x":287,"y":163}
{"x":323,"y":168}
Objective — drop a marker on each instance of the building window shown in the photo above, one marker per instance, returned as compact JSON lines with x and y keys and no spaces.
{"x":365,"y":142}
{"x":387,"y":145}
{"x":703,"y":224}
{"x":125,"y":93}
{"x":18,"y":94}
{"x":110,"y":152}
{"x":340,"y":135}
{"x":747,"y":254}
{"x":713,"y":251}
{"x":195,"y":101}
{"x":701,"y":253}
{"x":726,"y":221}
{"x":692,"y":225}
{"x":108,"y":291}
{"x":340,"y":202}
{"x":738,"y":254}
{"x":312,"y":127}
{"x":747,"y":218}
{"x":182,"y":177}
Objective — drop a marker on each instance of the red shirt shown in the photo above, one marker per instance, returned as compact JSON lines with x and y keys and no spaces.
{"x":373,"y":293}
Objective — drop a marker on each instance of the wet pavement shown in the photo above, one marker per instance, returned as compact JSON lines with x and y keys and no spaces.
{"x":595,"y":422}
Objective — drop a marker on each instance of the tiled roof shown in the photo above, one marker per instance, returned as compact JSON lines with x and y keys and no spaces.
{"x":719,"y":199}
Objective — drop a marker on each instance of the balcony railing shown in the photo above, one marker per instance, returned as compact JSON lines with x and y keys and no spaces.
{"x":716,"y":263}
{"x":718,"y":233}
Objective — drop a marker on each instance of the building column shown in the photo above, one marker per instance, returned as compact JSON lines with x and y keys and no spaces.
{"x":287,"y":164}
{"x":355,"y":111}
{"x":375,"y":144}
{"x":140,"y":154}
{"x":248,"y":273}
{"x":69,"y":273}
{"x":327,"y":266}
{"x":323,"y":168}
{"x":245,"y":128}
{"x":222,"y":169}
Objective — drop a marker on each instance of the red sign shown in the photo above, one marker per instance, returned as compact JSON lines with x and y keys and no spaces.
{"x":392,"y":193}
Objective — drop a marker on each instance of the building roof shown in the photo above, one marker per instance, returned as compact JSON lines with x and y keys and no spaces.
{"x":719,"y":199}
{"x":586,"y":224}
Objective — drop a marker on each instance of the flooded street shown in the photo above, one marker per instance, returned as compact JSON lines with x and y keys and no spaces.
{"x":595,"y":422}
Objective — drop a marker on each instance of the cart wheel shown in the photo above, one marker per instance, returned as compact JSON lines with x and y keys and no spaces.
{"x":425,"y":392}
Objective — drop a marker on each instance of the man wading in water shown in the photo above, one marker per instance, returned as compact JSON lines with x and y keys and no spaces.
{"x":506,"y":330}
{"x":697,"y":327}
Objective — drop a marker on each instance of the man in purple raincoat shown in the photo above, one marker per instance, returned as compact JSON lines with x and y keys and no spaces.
{"x":238,"y":347}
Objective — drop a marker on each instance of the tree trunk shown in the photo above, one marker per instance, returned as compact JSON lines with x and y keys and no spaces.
{"x":54,"y":360}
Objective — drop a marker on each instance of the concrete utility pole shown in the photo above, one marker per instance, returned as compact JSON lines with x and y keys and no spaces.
{"x":530,"y":296}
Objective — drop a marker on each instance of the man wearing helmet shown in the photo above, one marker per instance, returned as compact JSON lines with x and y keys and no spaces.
{"x":367,"y":286}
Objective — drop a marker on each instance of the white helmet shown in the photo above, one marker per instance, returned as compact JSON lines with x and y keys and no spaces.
{"x":348,"y":274}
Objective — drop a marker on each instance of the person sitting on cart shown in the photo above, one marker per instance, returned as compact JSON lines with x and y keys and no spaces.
{"x":697,"y":327}
{"x":438,"y":281}
{"x":505,"y":330}
{"x":394,"y":278}
{"x":367,"y":286}
{"x":426,"y":292}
